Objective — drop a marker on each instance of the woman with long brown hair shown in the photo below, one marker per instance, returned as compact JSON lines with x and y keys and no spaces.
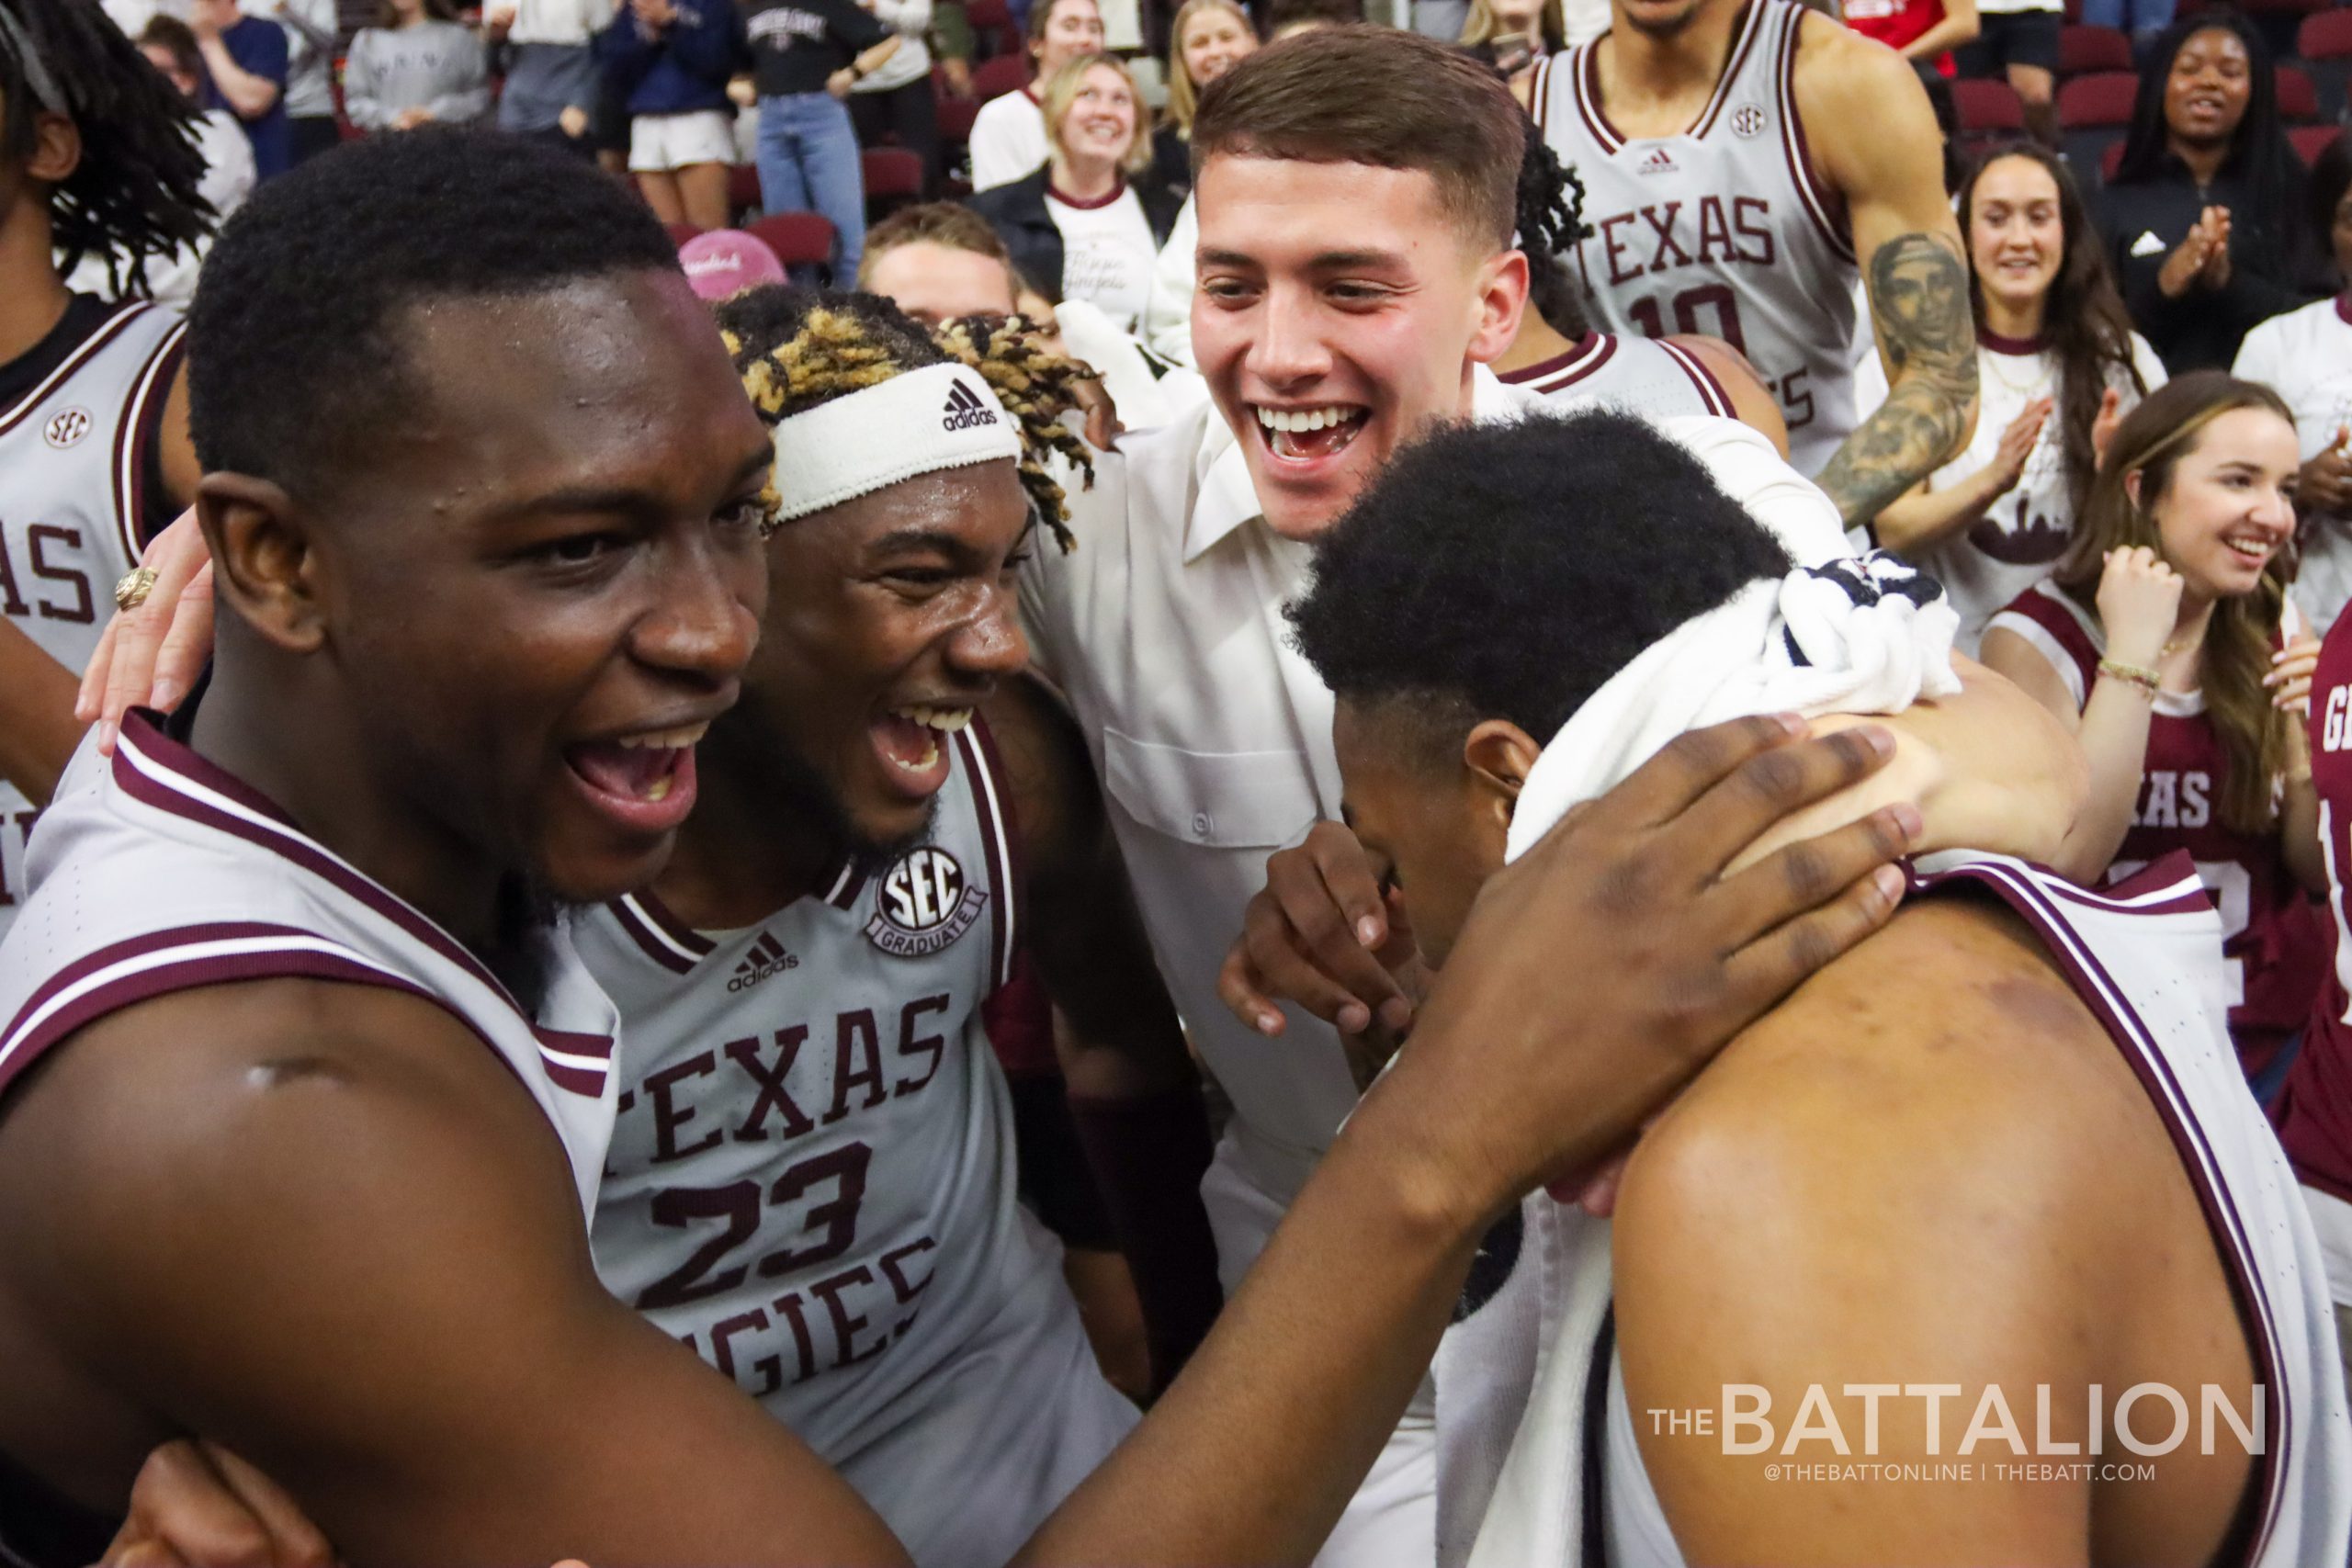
{"x":2054,"y":348}
{"x":2165,"y":640}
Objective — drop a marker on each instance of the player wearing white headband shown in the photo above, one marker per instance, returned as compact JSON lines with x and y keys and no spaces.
{"x":1939,"y":1212}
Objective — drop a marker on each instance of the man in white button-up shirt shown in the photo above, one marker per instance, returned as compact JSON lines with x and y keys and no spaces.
{"x":1356,"y":275}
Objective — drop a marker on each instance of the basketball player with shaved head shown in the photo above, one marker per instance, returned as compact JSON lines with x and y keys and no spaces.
{"x":307,"y":1100}
{"x":1741,"y":161}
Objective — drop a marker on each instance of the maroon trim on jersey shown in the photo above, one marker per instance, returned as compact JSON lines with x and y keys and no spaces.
{"x":1119,"y":190}
{"x":1818,"y":200}
{"x":2021,"y":347}
{"x":135,"y":441}
{"x":999,"y":841}
{"x":1586,"y":86}
{"x":169,"y":975}
{"x":649,"y":904}
{"x":2027,"y":892}
{"x":847,"y":883}
{"x":2344,"y":307}
{"x":639,"y":929}
{"x":1751,"y":28}
{"x":1710,"y":391}
{"x":1539,"y":88}
{"x":149,"y":766}
{"x":1584,"y":356}
{"x":91,"y":963}
{"x":110,"y":330}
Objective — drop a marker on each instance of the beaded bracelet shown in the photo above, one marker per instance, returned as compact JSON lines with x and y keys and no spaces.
{"x":2138,"y":675}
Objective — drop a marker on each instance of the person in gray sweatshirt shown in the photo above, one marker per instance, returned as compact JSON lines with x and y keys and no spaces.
{"x":417,"y":64}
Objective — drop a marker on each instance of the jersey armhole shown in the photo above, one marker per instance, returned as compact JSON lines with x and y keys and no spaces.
{"x":152,"y":509}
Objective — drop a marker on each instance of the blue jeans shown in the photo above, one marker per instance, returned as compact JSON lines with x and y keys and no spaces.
{"x":808,"y":160}
{"x":2142,"y":18}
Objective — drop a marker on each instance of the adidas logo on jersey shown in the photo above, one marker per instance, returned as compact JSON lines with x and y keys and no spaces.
{"x":1659,"y":161}
{"x":767,"y":957}
{"x":966,"y":410}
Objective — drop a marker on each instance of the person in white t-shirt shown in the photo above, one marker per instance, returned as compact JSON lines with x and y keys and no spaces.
{"x":1089,"y":225}
{"x":2055,"y":355}
{"x":2305,"y":355}
{"x":1008,"y":138}
{"x":1357,"y":275}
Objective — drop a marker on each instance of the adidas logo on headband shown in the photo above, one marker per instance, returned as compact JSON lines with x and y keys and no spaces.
{"x":963,"y":409}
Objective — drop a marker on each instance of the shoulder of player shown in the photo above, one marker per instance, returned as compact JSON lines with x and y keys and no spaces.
{"x":162,"y":1150}
{"x":231,"y":1063}
{"x":1840,"y":70}
{"x":1939,"y":1081}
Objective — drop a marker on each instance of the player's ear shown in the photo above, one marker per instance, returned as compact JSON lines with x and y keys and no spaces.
{"x":1502,"y":300}
{"x":57,"y":149}
{"x":265,"y":560}
{"x":1499,"y":754}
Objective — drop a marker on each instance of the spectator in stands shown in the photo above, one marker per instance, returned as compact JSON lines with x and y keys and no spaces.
{"x":2305,"y":355}
{"x":310,"y":46}
{"x":939,"y":261}
{"x":2165,"y":642}
{"x":552,"y":79}
{"x":245,"y":63}
{"x":1090,"y":224}
{"x":895,"y":98}
{"x":1008,"y":135}
{"x":2019,"y":39}
{"x":170,"y":46}
{"x":672,"y":60}
{"x":1924,"y":32}
{"x":2056,"y":354}
{"x":805,"y":57}
{"x":2204,"y":217}
{"x":1207,"y":39}
{"x":950,"y":44}
{"x":1513,"y":35}
{"x":416,"y":66}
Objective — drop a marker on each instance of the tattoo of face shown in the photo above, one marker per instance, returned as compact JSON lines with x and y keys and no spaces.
{"x":1919,"y":294}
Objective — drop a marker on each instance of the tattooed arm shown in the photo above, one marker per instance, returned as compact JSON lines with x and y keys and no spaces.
{"x":1874,"y":139}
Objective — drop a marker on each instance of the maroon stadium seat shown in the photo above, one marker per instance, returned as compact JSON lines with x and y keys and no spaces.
{"x":956,"y":115}
{"x":2083,"y":50}
{"x":2325,"y":35}
{"x":991,"y":22}
{"x":2297,"y":99}
{"x":743,"y":188}
{"x":893,"y":171}
{"x":2311,"y":140}
{"x":2101,"y":98}
{"x":798,"y":239}
{"x":681,"y":233}
{"x":1986,"y":106}
{"x":2111,"y":159}
{"x":994,"y":78}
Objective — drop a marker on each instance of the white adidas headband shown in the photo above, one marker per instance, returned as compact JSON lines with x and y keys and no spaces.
{"x":941,"y":416}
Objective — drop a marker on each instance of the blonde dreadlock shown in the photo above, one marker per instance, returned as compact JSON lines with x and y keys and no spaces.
{"x":797,"y":348}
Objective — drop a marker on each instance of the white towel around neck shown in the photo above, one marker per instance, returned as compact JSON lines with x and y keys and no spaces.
{"x":1862,"y":635}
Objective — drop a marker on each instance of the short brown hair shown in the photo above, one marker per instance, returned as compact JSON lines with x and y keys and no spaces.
{"x":176,"y":39}
{"x":931,"y":223}
{"x":1378,"y":95}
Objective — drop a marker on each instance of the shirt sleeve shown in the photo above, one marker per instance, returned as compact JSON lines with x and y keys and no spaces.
{"x":261,"y":50}
{"x":466,"y":96}
{"x":361,"y":86}
{"x":1167,"y":320}
{"x":908,"y":17}
{"x":2258,"y":358}
{"x":858,"y":27}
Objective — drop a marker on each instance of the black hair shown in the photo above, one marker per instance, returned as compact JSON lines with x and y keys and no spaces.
{"x":796,"y":348}
{"x":1551,"y":224}
{"x":2331,"y":177}
{"x":1509,"y":570}
{"x":295,"y":349}
{"x":134,"y":195}
{"x":2259,"y":152}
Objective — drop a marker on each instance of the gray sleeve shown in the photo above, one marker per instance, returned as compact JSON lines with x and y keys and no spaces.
{"x":363,"y":85}
{"x":464,"y":94}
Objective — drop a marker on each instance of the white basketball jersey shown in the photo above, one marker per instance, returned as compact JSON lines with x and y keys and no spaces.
{"x":1723,"y":229}
{"x":71,"y":492}
{"x":159,"y":871}
{"x":1658,"y":380}
{"x":1528,"y":1441}
{"x":812,"y":1184}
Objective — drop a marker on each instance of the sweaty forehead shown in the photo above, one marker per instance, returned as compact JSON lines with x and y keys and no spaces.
{"x":596,"y":382}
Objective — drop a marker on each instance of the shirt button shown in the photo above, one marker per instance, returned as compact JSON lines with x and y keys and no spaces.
{"x":1200,"y":824}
